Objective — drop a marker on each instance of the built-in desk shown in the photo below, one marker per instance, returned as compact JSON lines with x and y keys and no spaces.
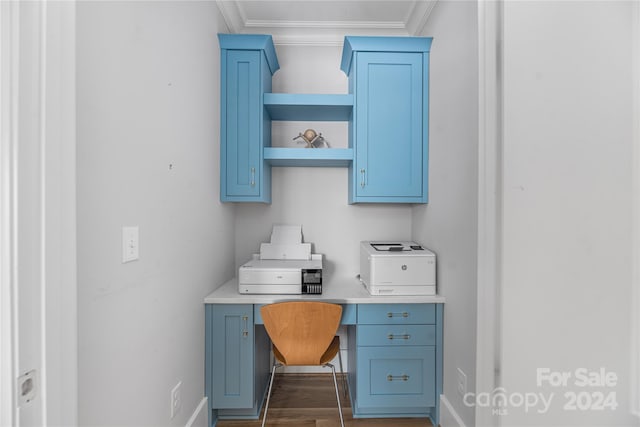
{"x":395,"y":351}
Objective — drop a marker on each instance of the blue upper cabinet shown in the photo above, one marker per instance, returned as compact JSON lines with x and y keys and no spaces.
{"x":386,"y":108}
{"x":388,"y":77}
{"x":247,"y":64}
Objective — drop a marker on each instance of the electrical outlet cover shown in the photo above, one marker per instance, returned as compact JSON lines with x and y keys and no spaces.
{"x":462,"y":382}
{"x":176,"y":399}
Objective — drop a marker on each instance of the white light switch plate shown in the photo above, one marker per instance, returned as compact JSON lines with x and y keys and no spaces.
{"x":130,"y":244}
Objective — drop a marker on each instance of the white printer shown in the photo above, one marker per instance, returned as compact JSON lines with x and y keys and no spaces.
{"x":397,"y":268}
{"x":283,"y":266}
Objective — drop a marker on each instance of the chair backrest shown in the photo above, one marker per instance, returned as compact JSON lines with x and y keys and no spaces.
{"x":301,"y":330}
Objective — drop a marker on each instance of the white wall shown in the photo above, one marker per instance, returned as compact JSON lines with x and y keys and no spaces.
{"x":148,"y":155}
{"x":448,"y":224}
{"x":317,"y":197}
{"x":566,"y":216}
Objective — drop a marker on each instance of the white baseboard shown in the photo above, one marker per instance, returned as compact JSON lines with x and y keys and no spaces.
{"x":448,"y":416}
{"x":199,"y":417}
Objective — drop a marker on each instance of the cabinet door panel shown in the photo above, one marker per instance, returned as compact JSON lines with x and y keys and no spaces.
{"x":232,"y":359}
{"x":389,"y":123}
{"x":397,"y":377}
{"x":242,"y":124}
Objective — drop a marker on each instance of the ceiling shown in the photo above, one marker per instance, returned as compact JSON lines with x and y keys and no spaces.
{"x":325,"y":22}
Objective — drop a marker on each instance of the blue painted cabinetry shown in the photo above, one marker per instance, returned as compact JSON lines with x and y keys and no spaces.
{"x":397,"y":365}
{"x":390,"y":135}
{"x":394,"y":369}
{"x":247,"y":64}
{"x":236,"y":361}
{"x":386,"y":108}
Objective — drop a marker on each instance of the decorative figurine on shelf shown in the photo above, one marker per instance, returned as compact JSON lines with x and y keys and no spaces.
{"x":312,"y":139}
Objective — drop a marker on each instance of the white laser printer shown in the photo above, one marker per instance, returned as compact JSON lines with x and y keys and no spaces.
{"x":397,"y":268}
{"x":283,"y":266}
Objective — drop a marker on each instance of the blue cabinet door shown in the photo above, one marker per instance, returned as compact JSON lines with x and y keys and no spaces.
{"x":232,"y":352}
{"x":398,"y":360}
{"x":390,"y":127}
{"x":396,"y":379}
{"x":247,"y":62}
{"x":241,"y":159}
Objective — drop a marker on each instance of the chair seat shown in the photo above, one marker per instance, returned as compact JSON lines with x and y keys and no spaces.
{"x":327,"y":357}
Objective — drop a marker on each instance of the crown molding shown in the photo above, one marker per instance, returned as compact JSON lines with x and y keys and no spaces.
{"x":373,"y":25}
{"x":232,"y":14}
{"x":418,"y":17}
{"x":323,"y":33}
{"x":308,"y":40}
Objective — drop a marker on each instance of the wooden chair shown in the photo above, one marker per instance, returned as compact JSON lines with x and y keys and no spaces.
{"x":303,"y":333}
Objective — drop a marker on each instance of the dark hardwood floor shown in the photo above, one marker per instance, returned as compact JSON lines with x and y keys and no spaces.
{"x":309,"y":400}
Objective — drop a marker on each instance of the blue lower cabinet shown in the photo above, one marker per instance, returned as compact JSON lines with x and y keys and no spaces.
{"x":395,"y":380}
{"x":237,"y":361}
{"x":394,"y":359}
{"x":396,"y":369}
{"x":233,"y":345}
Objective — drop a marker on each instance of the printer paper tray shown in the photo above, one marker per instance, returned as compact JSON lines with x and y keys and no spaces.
{"x":400,"y":290}
{"x":271,"y":289}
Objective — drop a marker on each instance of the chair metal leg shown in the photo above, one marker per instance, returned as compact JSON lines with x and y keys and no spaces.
{"x":335,"y":383}
{"x":344,"y":378}
{"x":266,"y":406}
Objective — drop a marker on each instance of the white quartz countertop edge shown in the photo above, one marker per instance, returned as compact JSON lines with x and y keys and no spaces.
{"x":347,"y":290}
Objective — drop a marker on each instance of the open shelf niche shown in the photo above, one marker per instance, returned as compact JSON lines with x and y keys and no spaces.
{"x":308,"y":107}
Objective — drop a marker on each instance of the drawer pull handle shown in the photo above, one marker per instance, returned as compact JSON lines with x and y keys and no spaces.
{"x":403,"y":314}
{"x":398,"y":377}
{"x":399,"y":337}
{"x":362,"y":184}
{"x":253,"y":177}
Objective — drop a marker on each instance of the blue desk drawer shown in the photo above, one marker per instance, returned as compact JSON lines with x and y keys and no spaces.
{"x":381,"y":314}
{"x":348,"y":314}
{"x":399,"y":377}
{"x":395,"y":335}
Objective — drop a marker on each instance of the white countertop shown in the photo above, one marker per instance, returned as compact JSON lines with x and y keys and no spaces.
{"x":346,"y":290}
